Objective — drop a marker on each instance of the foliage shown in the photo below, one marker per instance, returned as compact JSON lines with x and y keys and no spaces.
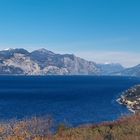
{"x":126,"y":128}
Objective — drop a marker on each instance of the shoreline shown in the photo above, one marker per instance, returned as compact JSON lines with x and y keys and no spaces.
{"x":131,"y":99}
{"x":127,"y":106}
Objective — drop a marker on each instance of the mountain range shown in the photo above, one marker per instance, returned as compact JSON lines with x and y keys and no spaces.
{"x":44,"y":62}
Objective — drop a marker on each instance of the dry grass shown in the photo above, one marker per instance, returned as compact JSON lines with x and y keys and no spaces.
{"x":126,"y":128}
{"x":32,"y":129}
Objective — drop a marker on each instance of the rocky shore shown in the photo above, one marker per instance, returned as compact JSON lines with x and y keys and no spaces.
{"x":131,"y":98}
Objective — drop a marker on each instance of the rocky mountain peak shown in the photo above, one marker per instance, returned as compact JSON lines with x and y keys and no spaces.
{"x":43,"y":51}
{"x":44,"y":62}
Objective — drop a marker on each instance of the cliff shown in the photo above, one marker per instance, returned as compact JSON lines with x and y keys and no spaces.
{"x":44,"y":62}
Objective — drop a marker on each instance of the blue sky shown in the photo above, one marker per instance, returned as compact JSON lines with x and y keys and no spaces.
{"x":98,"y":30}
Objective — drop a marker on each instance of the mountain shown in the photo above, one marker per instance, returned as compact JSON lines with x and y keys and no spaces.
{"x":8,"y":53}
{"x":133,"y":71}
{"x":108,"y":69}
{"x":44,"y":62}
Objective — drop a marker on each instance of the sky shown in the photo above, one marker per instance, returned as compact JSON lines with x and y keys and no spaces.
{"x":97,"y":30}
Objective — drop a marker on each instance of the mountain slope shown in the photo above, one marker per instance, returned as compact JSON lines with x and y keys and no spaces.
{"x":44,"y":62}
{"x":133,"y":71}
{"x":109,"y":69}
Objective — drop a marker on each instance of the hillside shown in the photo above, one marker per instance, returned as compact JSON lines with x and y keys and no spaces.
{"x":133,"y":71}
{"x":110,"y":69}
{"x":126,"y":128}
{"x":44,"y":62}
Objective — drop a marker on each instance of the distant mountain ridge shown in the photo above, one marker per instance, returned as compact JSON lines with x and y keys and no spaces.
{"x":133,"y":71}
{"x":44,"y":62}
{"x":109,"y":69}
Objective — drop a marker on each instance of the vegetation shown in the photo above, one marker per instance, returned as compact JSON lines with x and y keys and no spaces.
{"x":126,"y":128}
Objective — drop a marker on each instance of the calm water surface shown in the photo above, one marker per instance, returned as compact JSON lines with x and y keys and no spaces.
{"x":73,"y":99}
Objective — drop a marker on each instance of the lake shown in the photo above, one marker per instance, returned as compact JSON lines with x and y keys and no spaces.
{"x":74,"y":100}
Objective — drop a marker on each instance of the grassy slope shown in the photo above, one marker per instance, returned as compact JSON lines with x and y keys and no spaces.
{"x":127,"y":128}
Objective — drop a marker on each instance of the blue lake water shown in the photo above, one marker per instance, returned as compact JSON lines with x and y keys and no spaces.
{"x":72,"y":99}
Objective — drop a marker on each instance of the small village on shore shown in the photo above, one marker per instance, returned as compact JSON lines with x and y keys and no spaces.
{"x":131,"y":98}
